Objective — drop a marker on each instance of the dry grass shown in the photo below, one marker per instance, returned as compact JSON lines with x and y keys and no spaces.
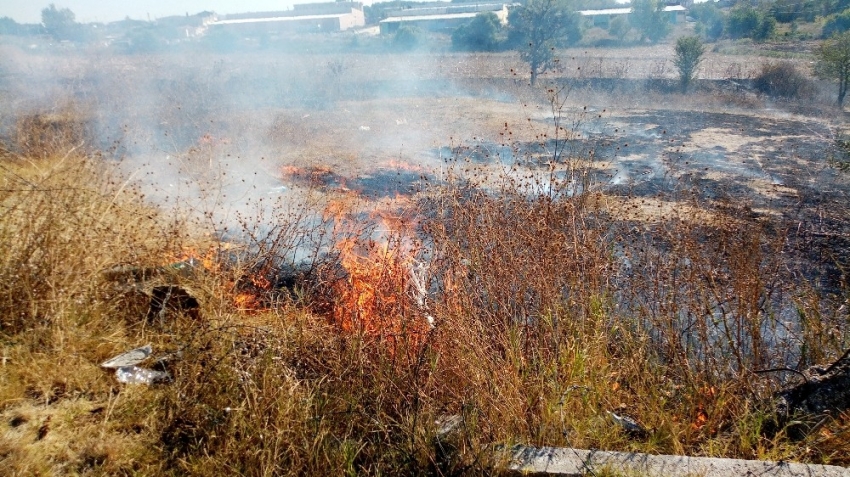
{"x":65,"y":220}
{"x":548,"y":311}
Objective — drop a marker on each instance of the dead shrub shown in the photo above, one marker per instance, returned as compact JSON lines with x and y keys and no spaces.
{"x":44,"y":134}
{"x":783,"y":80}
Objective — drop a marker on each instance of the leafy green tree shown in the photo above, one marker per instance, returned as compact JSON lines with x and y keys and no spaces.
{"x":619,"y":28}
{"x":218,"y":39}
{"x":379,"y":10}
{"x":689,"y":51}
{"x":407,"y":37}
{"x":710,"y":20}
{"x":743,"y":21}
{"x":833,"y":62}
{"x":838,"y":23}
{"x":10,"y":27}
{"x":649,"y":18}
{"x":787,"y":11}
{"x":481,"y":34}
{"x":766,"y":28}
{"x":540,"y":26}
{"x":60,"y":24}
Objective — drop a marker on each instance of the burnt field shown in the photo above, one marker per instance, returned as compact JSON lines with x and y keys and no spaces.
{"x":774,"y":162}
{"x":361,"y":246}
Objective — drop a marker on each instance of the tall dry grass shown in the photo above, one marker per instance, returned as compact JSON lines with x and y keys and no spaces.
{"x":64,"y":221}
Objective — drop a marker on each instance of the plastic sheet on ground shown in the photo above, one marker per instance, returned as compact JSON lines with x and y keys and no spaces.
{"x":130,"y":358}
{"x":137,"y":375}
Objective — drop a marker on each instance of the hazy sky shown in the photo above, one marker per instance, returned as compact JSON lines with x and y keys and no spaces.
{"x":28,"y":11}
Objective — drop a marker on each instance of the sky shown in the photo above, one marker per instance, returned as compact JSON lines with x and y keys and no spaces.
{"x":28,"y":11}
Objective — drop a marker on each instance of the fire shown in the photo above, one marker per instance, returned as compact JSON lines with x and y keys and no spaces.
{"x":246,"y":301}
{"x":247,"y":292}
{"x":250,"y":294}
{"x":398,"y":164}
{"x":191,"y":256}
{"x":374,"y":297}
{"x":370,"y":299}
{"x":313,"y":176}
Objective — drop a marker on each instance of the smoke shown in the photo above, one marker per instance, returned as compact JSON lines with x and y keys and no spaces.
{"x":206,"y":133}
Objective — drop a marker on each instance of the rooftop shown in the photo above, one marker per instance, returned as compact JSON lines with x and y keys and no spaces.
{"x":278,"y":19}
{"x":413,"y":18}
{"x":624,"y":11}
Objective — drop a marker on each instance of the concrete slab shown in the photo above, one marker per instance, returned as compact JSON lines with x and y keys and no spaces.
{"x":577,"y":462}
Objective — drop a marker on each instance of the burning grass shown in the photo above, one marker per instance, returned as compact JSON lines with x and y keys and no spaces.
{"x":535,"y":316}
{"x":341,"y":337}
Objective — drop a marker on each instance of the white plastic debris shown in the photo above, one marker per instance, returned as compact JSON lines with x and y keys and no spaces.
{"x":448,"y":424}
{"x":130,"y":358}
{"x":137,"y":375}
{"x":629,"y":424}
{"x":365,"y":128}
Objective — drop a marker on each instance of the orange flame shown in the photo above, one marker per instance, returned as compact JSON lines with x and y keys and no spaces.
{"x":373,"y":297}
{"x":252,"y":296}
{"x":398,"y":164}
{"x":248,"y":298}
{"x":208,"y":260}
{"x":315,"y":176}
{"x":248,"y":302}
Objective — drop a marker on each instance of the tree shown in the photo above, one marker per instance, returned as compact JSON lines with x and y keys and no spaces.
{"x":743,"y":22}
{"x":619,"y":28}
{"x":788,"y":11}
{"x":833,"y":62}
{"x":766,"y":28}
{"x":709,"y":19}
{"x":649,"y":18}
{"x":838,"y":23}
{"x":689,"y":51}
{"x":540,"y":26}
{"x":407,"y":38}
{"x":218,"y":39}
{"x":142,"y":40}
{"x":481,"y":34}
{"x":60,"y":24}
{"x":10,"y":27}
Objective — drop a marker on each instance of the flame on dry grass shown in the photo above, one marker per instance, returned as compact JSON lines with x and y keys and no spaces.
{"x":398,"y":164}
{"x":371,"y":297}
{"x":246,"y":291}
{"x":250,"y":297}
{"x":312,"y":176}
{"x":374,"y":296}
{"x":207,"y":259}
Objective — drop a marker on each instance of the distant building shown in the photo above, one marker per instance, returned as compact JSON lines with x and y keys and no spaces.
{"x":718,"y":3}
{"x":440,"y":18}
{"x":186,"y":26}
{"x":602,"y":18}
{"x":306,"y":17}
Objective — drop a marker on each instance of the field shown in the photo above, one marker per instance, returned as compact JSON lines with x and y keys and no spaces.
{"x":391,"y":263}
